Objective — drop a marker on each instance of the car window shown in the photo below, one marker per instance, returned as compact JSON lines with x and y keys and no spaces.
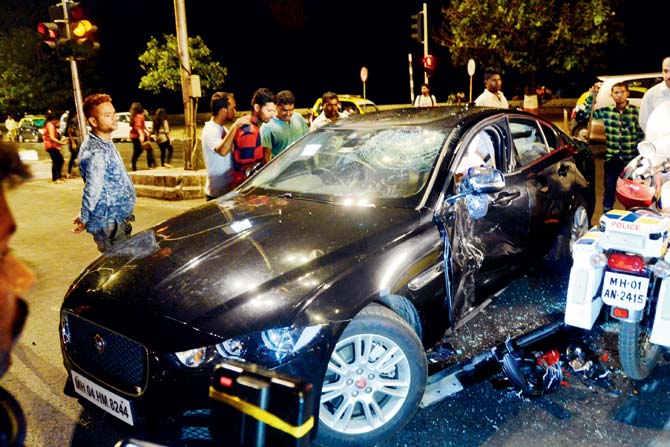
{"x":369,"y":108}
{"x":123,"y":118}
{"x":349,"y":107}
{"x":528,"y":140}
{"x":550,"y":136}
{"x":481,"y":150}
{"x":368,"y":164}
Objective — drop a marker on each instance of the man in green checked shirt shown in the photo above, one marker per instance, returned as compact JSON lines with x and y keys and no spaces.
{"x":622,"y":134}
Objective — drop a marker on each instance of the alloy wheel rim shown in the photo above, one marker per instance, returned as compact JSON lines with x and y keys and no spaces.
{"x":366,"y":384}
{"x":579,"y":225}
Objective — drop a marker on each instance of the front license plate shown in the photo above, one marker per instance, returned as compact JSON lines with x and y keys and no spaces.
{"x":627,"y":291}
{"x":108,"y":401}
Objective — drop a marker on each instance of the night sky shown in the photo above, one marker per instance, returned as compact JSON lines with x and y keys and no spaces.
{"x":310,"y":46}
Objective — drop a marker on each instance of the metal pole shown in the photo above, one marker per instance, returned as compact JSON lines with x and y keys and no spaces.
{"x":185,"y":71}
{"x":78,"y":101}
{"x":425,"y":38}
{"x":76,"y":85}
{"x":411,"y":80}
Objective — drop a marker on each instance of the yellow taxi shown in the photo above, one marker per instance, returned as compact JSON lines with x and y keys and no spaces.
{"x":349,"y":104}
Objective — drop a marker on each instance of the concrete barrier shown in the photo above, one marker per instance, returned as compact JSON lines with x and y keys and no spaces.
{"x":169,"y":183}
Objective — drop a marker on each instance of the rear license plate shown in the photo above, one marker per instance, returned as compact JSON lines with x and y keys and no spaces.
{"x":108,"y":401}
{"x":627,"y":291}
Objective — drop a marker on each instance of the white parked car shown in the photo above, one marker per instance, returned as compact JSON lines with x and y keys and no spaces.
{"x":123,"y":131}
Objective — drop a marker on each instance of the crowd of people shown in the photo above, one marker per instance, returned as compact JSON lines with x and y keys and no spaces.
{"x":232,"y":148}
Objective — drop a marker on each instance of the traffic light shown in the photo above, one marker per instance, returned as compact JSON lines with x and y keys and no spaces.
{"x":50,"y":32}
{"x":429,"y":65}
{"x":417,"y":27}
{"x":81,"y":42}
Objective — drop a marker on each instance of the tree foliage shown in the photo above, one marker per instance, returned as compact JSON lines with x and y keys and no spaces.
{"x":160,"y":61}
{"x":530,"y":35}
{"x":29,"y":81}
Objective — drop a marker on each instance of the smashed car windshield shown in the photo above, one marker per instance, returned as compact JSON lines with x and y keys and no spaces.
{"x":388,"y":163}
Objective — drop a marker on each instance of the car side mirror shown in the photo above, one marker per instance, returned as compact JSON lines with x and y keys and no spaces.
{"x":475,"y":184}
{"x":482,"y":180}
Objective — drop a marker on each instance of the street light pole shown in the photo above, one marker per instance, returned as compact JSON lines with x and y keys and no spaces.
{"x":185,"y":72}
{"x":425,"y":38}
{"x":411,"y":80}
{"x":76,"y":85}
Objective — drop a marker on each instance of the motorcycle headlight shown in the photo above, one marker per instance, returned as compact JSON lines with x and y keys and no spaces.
{"x":268,"y":348}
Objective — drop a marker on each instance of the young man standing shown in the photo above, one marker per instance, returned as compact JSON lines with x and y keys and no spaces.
{"x":284,"y":128}
{"x":217,"y":142}
{"x":331,"y":111}
{"x":247,"y":146}
{"x":622,"y":134}
{"x":492,"y":96}
{"x":425,"y":99}
{"x":656,"y":95}
{"x":108,"y":200}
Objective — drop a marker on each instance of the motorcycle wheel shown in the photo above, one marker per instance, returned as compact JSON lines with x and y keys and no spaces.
{"x":579,"y":132}
{"x":637,"y":354}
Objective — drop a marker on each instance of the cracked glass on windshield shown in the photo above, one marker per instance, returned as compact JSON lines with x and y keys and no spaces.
{"x":390,"y":163}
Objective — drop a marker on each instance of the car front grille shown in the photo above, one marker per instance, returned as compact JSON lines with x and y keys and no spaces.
{"x":110,"y":357}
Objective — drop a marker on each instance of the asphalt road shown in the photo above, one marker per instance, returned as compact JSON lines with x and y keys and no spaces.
{"x":582,"y":412}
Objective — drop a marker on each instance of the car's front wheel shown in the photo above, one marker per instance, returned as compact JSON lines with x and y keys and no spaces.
{"x":375,"y":379}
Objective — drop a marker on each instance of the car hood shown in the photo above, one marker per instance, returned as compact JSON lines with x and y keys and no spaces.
{"x":239,"y":265}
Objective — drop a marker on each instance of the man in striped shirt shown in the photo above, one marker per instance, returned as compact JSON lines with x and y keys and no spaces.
{"x":622,"y":134}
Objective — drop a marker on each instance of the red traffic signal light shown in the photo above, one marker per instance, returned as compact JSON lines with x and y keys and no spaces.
{"x":429,"y":65}
{"x":50,"y":31}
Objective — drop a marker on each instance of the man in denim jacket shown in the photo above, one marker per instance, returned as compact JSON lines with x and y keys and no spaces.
{"x":109,"y":195}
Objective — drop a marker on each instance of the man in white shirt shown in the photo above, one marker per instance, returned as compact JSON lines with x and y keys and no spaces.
{"x":492,"y":96}
{"x":331,"y":111}
{"x":655,"y":95}
{"x":425,"y":99}
{"x":217,"y":143}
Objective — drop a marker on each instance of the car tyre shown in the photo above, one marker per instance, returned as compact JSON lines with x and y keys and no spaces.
{"x":374,"y":381}
{"x":580,"y":132}
{"x":577,"y":226}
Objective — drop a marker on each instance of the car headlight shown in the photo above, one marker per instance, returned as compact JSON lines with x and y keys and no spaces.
{"x":267,"y":348}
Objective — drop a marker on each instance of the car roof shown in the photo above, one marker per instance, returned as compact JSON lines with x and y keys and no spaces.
{"x":445,"y":116}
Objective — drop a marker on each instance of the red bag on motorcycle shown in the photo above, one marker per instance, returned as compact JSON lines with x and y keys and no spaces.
{"x":636,"y":186}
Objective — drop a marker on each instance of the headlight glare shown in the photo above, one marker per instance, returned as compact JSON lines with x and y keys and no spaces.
{"x":599,"y":260}
{"x":193,"y":357}
{"x":661,"y":269}
{"x":267,"y":348}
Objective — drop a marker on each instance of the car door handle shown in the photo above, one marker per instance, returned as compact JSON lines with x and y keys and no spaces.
{"x":506,"y":197}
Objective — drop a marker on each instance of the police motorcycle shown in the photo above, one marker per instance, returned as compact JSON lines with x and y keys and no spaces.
{"x":624,"y":262}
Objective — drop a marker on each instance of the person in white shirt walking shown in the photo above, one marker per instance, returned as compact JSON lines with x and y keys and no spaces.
{"x":492,"y":96}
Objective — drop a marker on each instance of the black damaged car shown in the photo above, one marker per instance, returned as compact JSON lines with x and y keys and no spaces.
{"x":342,"y":261}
